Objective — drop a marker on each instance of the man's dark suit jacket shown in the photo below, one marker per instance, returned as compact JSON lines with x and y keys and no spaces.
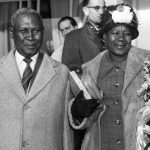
{"x":80,"y":46}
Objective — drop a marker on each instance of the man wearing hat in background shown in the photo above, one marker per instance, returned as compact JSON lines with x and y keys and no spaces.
{"x":116,"y":72}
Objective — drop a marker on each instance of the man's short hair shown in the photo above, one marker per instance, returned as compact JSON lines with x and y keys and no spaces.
{"x":71,"y":19}
{"x":25,"y":11}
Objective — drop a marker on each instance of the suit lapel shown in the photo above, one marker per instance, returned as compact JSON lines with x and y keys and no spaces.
{"x":37,"y":66}
{"x":93,"y":37}
{"x":45,"y":73}
{"x":10,"y":72}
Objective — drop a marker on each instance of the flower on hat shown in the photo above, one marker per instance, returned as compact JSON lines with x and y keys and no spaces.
{"x":122,"y":14}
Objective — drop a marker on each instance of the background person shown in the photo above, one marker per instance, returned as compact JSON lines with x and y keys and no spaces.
{"x":32,"y":113}
{"x":117,"y":72}
{"x":65,"y":25}
{"x":85,"y":43}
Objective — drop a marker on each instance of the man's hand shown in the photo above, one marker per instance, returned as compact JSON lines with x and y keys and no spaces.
{"x":82,"y":108}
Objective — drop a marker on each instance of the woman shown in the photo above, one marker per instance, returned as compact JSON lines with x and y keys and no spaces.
{"x":117,"y":72}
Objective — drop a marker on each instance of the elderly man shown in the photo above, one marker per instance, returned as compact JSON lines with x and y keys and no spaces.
{"x":34,"y":91}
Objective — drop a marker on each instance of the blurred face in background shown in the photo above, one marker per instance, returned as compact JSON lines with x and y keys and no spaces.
{"x":65,"y":27}
{"x":94,"y":11}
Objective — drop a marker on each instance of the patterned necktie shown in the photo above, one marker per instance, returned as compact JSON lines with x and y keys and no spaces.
{"x":27,"y":75}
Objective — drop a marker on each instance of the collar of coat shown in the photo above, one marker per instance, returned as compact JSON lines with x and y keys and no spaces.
{"x":9,"y":71}
{"x":135,"y":61}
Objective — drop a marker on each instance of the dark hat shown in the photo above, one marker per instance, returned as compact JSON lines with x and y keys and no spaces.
{"x":119,"y":14}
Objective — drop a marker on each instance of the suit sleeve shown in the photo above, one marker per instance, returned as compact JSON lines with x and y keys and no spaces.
{"x":71,"y":52}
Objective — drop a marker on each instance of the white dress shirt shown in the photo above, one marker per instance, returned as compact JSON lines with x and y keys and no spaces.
{"x":21,"y":64}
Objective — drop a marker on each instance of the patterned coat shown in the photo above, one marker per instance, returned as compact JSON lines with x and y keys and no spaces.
{"x":131,"y":102}
{"x":36,"y":121}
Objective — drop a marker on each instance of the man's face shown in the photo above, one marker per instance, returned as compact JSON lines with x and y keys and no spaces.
{"x":95,"y":9}
{"x":118,"y":40}
{"x":27,"y":34}
{"x":66,"y":27}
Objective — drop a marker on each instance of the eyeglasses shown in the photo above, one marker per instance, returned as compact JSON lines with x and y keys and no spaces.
{"x":97,"y":8}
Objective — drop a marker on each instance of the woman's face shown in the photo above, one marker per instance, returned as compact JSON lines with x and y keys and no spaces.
{"x":118,"y":40}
